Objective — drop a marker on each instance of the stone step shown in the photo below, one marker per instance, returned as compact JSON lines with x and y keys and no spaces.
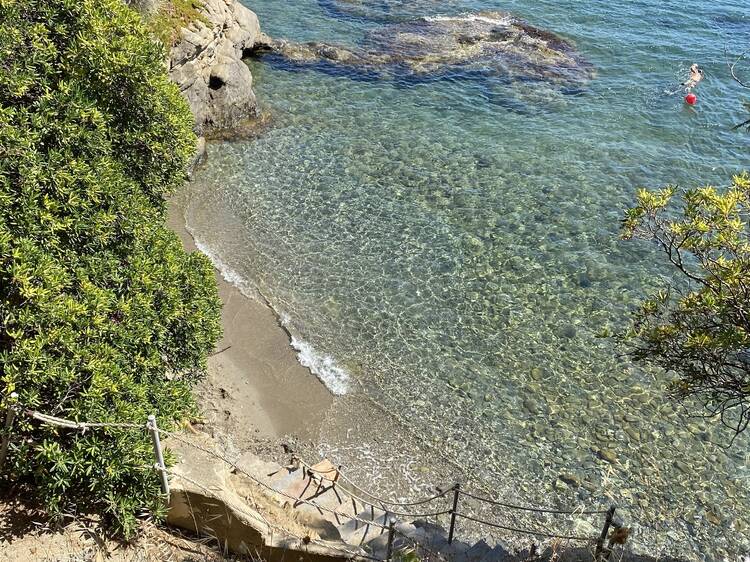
{"x":497,"y":554}
{"x":478,"y":551}
{"x":286,"y":479}
{"x":431,"y":541}
{"x":356,"y":532}
{"x":265,"y":471}
{"x":456,"y":550}
{"x":333,"y":498}
{"x":406,"y":528}
{"x":378,"y":546}
{"x":430,"y":527}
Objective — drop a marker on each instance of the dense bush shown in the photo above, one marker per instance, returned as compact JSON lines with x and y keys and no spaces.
{"x":103,"y":316}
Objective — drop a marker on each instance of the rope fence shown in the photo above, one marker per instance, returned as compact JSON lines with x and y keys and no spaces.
{"x":342,"y":476}
{"x":524,"y":531}
{"x":384,"y":505}
{"x":535,"y":509}
{"x":455,"y":513}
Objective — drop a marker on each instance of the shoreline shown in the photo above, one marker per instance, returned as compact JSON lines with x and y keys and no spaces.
{"x":254,"y":378}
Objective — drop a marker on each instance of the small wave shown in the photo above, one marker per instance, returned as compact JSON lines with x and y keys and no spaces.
{"x":228,"y":274}
{"x":322,"y":366}
{"x":505,"y":20}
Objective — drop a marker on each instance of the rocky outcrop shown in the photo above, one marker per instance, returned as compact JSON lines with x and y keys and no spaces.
{"x":206,"y":64}
{"x":485,"y":43}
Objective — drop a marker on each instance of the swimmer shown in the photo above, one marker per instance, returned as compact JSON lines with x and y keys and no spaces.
{"x":696,"y":75}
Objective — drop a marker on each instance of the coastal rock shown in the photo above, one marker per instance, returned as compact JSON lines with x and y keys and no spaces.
{"x":206,"y":64}
{"x":484,"y":43}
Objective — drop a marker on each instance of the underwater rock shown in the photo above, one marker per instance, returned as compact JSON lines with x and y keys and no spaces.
{"x":493,"y":42}
{"x":485,"y":43}
{"x":607,"y":455}
{"x":570,"y":479}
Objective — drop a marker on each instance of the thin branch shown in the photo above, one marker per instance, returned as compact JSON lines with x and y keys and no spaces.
{"x":732,"y":66}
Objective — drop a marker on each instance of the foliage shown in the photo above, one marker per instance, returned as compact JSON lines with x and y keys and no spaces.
{"x":171,"y":16}
{"x":103,"y":316}
{"x":699,"y":326}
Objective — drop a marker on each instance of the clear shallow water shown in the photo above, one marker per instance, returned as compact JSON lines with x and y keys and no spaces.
{"x":448,"y":250}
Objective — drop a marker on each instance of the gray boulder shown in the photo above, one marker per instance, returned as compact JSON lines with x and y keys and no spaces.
{"x":206,"y":64}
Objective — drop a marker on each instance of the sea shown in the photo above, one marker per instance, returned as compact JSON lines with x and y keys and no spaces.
{"x":445,"y":250}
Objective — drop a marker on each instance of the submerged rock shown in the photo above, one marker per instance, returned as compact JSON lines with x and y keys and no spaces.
{"x":492,"y":42}
{"x":485,"y":43}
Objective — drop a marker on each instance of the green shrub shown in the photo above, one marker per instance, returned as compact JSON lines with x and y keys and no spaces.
{"x":166,"y":21}
{"x":103,"y":315}
{"x":698,"y":327}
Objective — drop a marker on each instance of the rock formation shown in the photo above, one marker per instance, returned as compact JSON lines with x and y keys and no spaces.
{"x":486,"y":43}
{"x":206,"y":63}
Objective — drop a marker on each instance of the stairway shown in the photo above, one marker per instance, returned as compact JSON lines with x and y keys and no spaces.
{"x":299,"y":487}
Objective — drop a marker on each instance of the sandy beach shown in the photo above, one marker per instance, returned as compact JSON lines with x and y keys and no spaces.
{"x":255,"y":386}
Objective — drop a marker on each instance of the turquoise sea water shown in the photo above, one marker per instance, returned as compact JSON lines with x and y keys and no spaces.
{"x":445,"y":252}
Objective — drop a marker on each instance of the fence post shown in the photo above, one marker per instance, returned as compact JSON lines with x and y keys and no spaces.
{"x":391,"y":525}
{"x":603,"y":536}
{"x":159,"y":455}
{"x":456,"y":492}
{"x":9,"y":416}
{"x":336,"y":478}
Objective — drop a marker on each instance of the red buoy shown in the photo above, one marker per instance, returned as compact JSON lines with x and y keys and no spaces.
{"x":691,"y":99}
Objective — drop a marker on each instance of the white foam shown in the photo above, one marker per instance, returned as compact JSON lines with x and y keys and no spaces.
{"x":322,"y":366}
{"x":505,"y":20}
{"x":229,"y":274}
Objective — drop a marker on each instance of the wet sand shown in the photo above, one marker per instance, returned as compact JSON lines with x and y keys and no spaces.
{"x":255,"y":386}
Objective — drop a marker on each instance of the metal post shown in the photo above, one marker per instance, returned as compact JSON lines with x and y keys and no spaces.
{"x":160,"y":466}
{"x":456,"y":492}
{"x":603,"y":536}
{"x":391,"y":525}
{"x":9,"y":416}
{"x":336,"y":478}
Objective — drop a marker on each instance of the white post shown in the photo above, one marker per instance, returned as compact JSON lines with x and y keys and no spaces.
{"x":160,"y":466}
{"x":10,"y":414}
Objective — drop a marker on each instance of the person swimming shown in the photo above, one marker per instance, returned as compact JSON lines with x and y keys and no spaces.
{"x":696,"y":75}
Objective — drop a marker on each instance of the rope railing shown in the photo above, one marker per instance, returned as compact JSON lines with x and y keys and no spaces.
{"x":262,"y":484}
{"x":524,"y":531}
{"x":383,"y":504}
{"x":388,"y":513}
{"x":442,"y":494}
{"x":70,"y":424}
{"x":535,"y":509}
{"x":345,"y":478}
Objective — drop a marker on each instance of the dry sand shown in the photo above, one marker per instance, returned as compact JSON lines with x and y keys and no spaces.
{"x":256,"y":387}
